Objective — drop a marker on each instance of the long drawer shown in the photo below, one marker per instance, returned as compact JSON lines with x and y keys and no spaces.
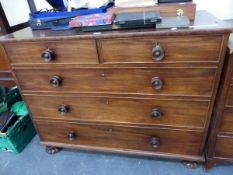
{"x":161,"y":49}
{"x":120,"y":110}
{"x":121,"y":138}
{"x":50,"y":52}
{"x":150,"y":81}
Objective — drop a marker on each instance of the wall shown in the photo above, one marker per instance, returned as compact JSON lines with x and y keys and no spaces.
{"x":223,"y":9}
{"x":16,"y":11}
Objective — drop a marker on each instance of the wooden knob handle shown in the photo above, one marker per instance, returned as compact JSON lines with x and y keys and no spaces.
{"x":48,"y":55}
{"x":71,"y":135}
{"x":55,"y":81}
{"x":158,"y":52}
{"x":63,"y":109}
{"x":155,"y":113}
{"x":156,"y":83}
{"x":154,"y":142}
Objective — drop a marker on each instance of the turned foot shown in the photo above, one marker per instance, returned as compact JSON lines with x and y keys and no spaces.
{"x":52,"y":150}
{"x":191,"y":165}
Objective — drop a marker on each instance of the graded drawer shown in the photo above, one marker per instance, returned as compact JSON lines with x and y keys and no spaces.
{"x":150,"y":81}
{"x":161,"y":49}
{"x":227,"y":120}
{"x":121,"y":138}
{"x":50,"y":52}
{"x":224,"y":147}
{"x":120,"y":110}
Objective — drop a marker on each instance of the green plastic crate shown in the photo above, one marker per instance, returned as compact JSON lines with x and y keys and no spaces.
{"x":17,"y":136}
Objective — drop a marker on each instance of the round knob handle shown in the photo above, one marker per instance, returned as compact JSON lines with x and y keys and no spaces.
{"x":155,"y":113}
{"x":156,"y":83}
{"x":71,"y":135}
{"x":154,"y":142}
{"x":158,"y":53}
{"x":48,"y":55}
{"x":55,"y":81}
{"x":63,"y":109}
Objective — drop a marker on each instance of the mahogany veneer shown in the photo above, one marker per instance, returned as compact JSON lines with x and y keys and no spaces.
{"x":220,"y":145}
{"x":144,"y":92}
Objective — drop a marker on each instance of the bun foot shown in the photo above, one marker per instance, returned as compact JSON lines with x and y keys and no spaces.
{"x":210,"y":163}
{"x":190,"y":165}
{"x":52,"y":150}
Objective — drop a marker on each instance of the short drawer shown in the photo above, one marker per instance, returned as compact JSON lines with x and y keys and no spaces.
{"x":227,"y":120}
{"x":121,"y":138}
{"x":190,"y":114}
{"x":224,"y":147}
{"x":52,"y":52}
{"x":150,"y":81}
{"x":161,"y":49}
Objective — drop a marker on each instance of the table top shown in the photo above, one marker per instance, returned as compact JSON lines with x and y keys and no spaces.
{"x":204,"y":23}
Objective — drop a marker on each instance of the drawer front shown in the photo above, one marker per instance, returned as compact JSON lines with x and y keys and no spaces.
{"x":122,"y":138}
{"x":150,"y":81}
{"x":3,"y":64}
{"x":6,"y":79}
{"x":227,"y":120}
{"x":66,"y":52}
{"x":224,"y":147}
{"x":229,"y":100}
{"x":175,"y":49}
{"x":120,"y":110}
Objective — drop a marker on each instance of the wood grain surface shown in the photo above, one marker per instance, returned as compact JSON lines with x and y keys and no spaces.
{"x":177,"y":81}
{"x":68,"y":52}
{"x":123,"y":138}
{"x":175,"y":113}
{"x":177,"y":49}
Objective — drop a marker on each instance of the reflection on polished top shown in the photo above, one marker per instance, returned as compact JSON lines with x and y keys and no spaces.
{"x":203,"y":21}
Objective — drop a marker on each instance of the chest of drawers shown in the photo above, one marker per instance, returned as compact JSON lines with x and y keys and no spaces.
{"x":140,"y":92}
{"x":220,"y":148}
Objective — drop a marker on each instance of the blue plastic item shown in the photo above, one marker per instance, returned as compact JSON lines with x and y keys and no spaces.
{"x":59,"y":20}
{"x":56,"y":3}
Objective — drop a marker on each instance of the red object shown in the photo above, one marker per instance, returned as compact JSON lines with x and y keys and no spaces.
{"x":92,"y":20}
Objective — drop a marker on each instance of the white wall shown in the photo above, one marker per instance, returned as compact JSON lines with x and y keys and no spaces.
{"x":40,"y":4}
{"x":16,"y":11}
{"x":222,"y":9}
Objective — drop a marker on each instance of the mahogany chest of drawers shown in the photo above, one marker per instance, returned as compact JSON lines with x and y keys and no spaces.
{"x":140,"y":92}
{"x":220,"y":145}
